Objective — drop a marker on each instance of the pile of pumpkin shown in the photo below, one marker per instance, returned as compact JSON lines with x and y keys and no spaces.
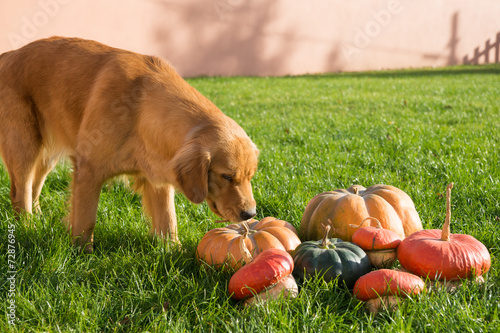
{"x":340,"y":243}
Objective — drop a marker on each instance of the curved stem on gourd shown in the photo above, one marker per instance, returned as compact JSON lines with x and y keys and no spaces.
{"x":247,"y":256}
{"x":378,"y":226}
{"x":327,"y":227}
{"x":445,"y":233}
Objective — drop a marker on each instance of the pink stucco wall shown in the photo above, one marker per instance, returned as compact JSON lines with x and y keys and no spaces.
{"x":268,"y":37}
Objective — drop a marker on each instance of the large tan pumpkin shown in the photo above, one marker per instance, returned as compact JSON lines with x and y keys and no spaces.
{"x":220,"y":247}
{"x":391,"y":206}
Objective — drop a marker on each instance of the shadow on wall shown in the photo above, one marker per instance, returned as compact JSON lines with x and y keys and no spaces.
{"x":485,"y":54}
{"x":223,"y":47}
{"x":451,"y":57}
{"x":230,"y":43}
{"x":240,"y":37}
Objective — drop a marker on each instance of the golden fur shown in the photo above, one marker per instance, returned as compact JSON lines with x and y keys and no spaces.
{"x":118,"y":112}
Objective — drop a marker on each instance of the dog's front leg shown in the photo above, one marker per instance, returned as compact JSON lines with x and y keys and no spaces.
{"x":159,"y":204}
{"x":85,"y":199}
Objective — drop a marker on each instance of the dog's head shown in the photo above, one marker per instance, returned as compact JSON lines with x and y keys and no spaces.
{"x":218,"y":168}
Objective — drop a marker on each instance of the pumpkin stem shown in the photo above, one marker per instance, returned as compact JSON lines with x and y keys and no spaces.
{"x":378,"y":226}
{"x":445,"y":233}
{"x":327,"y":227}
{"x":247,"y":256}
{"x":246,"y":228}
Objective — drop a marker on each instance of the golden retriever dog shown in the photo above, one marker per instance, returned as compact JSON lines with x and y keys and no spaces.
{"x":116,"y":112}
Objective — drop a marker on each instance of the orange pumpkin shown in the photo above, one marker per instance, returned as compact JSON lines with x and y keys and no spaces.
{"x":220,"y":247}
{"x":390,"y":205}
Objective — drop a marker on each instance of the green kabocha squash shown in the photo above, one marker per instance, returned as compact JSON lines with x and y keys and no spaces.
{"x":331,"y":258}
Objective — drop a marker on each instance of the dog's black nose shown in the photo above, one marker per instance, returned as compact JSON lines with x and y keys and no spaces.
{"x":248,"y":214}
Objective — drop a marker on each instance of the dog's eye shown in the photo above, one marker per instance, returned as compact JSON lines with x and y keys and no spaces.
{"x":228,"y":178}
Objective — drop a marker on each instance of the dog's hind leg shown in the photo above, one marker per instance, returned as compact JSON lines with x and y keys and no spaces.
{"x":20,"y":146}
{"x":159,"y":203}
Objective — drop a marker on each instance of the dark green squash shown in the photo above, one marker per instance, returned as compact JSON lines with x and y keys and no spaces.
{"x":330,"y":258}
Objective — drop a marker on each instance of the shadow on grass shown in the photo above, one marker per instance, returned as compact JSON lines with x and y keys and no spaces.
{"x":490,"y":69}
{"x":44,"y":252}
{"x":43,"y":234}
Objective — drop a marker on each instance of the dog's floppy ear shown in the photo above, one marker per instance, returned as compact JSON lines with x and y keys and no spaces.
{"x":190,"y":165}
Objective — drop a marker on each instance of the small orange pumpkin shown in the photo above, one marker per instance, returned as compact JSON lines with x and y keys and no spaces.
{"x":390,"y":205}
{"x":220,"y":247}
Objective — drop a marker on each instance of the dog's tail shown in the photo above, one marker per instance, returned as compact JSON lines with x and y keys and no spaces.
{"x":3,"y":58}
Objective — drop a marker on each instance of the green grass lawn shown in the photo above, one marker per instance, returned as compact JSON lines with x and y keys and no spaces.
{"x":417,"y":130}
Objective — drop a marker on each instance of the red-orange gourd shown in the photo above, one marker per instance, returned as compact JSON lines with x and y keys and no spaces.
{"x":379,"y":244}
{"x":220,"y":247}
{"x":443,"y":256}
{"x":390,"y":205}
{"x":268,"y":276}
{"x":267,"y":269}
{"x":387,"y":282}
{"x":375,"y":238}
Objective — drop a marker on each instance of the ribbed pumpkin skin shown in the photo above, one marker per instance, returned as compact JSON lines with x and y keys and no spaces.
{"x":343,"y":259}
{"x":425,"y":254}
{"x":391,"y":206}
{"x":220,"y":247}
{"x":387,"y":282}
{"x":269,"y":267}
